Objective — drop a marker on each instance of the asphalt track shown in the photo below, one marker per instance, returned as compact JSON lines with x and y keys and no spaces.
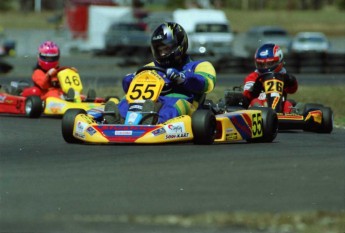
{"x":47,"y":185}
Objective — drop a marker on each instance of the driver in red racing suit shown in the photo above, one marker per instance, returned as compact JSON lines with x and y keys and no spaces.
{"x":190,"y":80}
{"x":44,"y":75}
{"x":269,"y":58}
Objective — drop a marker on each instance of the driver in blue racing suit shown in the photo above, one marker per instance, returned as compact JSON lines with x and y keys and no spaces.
{"x":190,"y":80}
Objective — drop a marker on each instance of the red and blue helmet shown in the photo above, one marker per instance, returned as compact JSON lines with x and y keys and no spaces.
{"x":48,"y":55}
{"x":269,"y":58}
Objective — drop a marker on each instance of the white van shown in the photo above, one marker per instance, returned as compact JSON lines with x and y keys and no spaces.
{"x":208,"y":30}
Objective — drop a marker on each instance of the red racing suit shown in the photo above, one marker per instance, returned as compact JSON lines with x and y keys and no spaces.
{"x":290,"y":87}
{"x":45,"y":84}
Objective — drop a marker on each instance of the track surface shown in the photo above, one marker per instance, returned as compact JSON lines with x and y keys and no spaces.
{"x":49,"y":185}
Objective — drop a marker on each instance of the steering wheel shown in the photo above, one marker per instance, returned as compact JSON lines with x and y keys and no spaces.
{"x":156,"y":68}
{"x":168,"y":84}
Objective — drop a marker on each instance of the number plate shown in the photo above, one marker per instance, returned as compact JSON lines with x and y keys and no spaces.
{"x":274,"y":86}
{"x":145,"y":85}
{"x":68,"y":78}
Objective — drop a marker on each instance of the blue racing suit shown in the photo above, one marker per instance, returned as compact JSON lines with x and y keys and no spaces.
{"x":184,"y":98}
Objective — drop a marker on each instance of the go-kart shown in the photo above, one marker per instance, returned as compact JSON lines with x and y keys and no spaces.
{"x":68,"y":80}
{"x":207,"y":125}
{"x":302,"y":116}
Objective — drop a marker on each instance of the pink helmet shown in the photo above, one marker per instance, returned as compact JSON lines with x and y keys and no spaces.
{"x":48,"y":55}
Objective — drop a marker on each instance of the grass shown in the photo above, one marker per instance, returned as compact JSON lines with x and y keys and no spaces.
{"x":330,"y":20}
{"x":297,"y":222}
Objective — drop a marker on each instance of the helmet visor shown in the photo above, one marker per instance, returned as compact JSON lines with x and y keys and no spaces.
{"x":163,"y":48}
{"x":266,"y":63}
{"x":49,"y":57}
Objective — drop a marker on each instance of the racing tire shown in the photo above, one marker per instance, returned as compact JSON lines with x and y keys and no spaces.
{"x":204,"y":127}
{"x":91,"y":95}
{"x":67,"y":124}
{"x":269,"y":125}
{"x":327,"y":120}
{"x":33,"y":106}
{"x":311,"y":126}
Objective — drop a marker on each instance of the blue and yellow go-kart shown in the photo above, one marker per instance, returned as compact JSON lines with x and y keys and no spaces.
{"x":205,"y":126}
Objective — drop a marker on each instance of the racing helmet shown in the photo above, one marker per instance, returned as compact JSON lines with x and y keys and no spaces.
{"x":269,"y":58}
{"x":48,"y":55}
{"x":169,"y":44}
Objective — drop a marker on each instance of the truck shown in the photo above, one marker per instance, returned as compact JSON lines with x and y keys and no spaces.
{"x":209,"y":31}
{"x":88,"y":21}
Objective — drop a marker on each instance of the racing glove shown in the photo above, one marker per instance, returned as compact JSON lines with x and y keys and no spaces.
{"x":289,"y":80}
{"x":51,"y":72}
{"x":175,"y":76}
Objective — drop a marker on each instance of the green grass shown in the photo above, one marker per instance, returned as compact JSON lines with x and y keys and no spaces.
{"x":329,"y":20}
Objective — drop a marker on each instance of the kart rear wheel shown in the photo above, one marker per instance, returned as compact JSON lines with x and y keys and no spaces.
{"x":33,"y":106}
{"x":203,"y":127}
{"x":269,"y":125}
{"x":327,"y":120}
{"x":67,"y":124}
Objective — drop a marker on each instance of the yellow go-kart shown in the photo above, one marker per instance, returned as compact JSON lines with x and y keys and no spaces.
{"x":206,"y":125}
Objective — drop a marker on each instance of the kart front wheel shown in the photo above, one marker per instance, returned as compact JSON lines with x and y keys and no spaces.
{"x":269,"y":124}
{"x":67,"y":124}
{"x":203,"y":127}
{"x":33,"y":106}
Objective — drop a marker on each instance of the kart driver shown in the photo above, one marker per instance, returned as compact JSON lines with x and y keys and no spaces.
{"x":269,"y":58}
{"x":44,"y":74}
{"x":190,"y":80}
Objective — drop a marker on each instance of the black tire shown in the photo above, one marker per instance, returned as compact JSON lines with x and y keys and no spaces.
{"x":327,"y":120}
{"x":269,"y":125}
{"x":311,"y":126}
{"x":33,"y":106}
{"x":91,"y":95}
{"x":203,"y":127}
{"x":67,"y":124}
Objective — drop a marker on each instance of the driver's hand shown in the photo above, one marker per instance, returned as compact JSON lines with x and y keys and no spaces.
{"x":175,"y":76}
{"x":289,"y":80}
{"x":51,"y":72}
{"x":257,"y":87}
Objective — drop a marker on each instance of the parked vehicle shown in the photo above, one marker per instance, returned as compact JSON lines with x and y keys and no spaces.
{"x":7,"y":46}
{"x":208,"y":30}
{"x":127,"y":38}
{"x":310,"y":42}
{"x":256,"y":36}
